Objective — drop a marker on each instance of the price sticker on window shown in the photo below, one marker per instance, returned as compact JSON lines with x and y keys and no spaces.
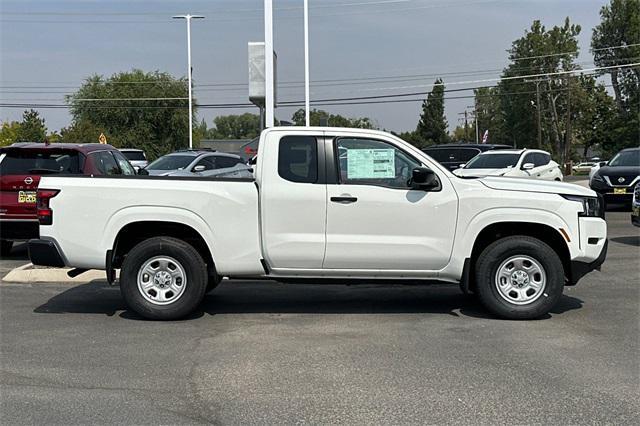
{"x":371,"y":164}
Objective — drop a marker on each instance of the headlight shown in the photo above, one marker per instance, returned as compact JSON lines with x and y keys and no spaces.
{"x":597,"y":177}
{"x":591,"y":206}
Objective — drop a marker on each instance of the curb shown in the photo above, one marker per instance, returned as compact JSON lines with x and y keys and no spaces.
{"x":23,"y":274}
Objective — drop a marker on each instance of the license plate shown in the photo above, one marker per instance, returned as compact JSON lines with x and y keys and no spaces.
{"x":27,"y":197}
{"x":619,"y":190}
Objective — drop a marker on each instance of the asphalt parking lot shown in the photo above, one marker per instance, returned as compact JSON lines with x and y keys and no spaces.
{"x":263,"y":352}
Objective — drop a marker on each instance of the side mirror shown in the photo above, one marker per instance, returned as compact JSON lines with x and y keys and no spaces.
{"x":603,"y":163}
{"x":143,"y":172}
{"x":199,"y":168}
{"x":424,"y":178}
{"x":528,"y":166}
{"x":461,"y":166}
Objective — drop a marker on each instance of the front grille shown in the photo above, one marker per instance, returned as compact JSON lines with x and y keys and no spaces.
{"x":617,"y":180}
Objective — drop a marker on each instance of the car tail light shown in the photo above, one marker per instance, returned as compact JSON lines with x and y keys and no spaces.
{"x":45,"y":214}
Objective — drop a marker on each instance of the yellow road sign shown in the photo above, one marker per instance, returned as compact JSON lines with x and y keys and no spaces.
{"x":102,"y":139}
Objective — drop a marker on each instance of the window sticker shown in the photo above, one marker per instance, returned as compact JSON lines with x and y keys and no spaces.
{"x":371,"y":163}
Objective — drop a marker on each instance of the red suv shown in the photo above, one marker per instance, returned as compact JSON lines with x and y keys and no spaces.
{"x":22,"y":165}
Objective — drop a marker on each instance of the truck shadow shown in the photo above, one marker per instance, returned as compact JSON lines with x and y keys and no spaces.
{"x":268,"y":297}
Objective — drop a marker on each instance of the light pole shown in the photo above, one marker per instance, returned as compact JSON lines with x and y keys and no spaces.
{"x":188,"y":18}
{"x":306,"y":64}
{"x":269,"y":90}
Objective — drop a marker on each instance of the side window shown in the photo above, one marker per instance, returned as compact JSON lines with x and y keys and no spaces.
{"x":298,"y":159}
{"x":529,"y":158}
{"x":209,"y":163}
{"x":372,"y":162}
{"x":126,"y":168}
{"x":105,"y":163}
{"x":542,"y":159}
{"x":224,"y":162}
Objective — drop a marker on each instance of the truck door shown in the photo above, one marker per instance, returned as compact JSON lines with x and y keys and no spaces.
{"x":375,"y":221}
{"x":293,"y":200}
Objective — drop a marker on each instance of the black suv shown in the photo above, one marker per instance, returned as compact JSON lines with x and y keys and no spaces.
{"x":454,"y":155}
{"x":616,"y":180}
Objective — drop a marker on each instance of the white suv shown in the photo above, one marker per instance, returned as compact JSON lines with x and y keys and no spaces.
{"x":527,"y":163}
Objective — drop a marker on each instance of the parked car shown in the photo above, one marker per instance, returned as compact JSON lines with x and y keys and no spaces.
{"x":23,"y":164}
{"x":616,"y":180}
{"x":581,"y":168}
{"x":526,"y":163}
{"x":454,"y":155}
{"x":635,"y":206}
{"x":188,"y":162}
{"x":136,"y":157}
{"x":595,"y":168}
{"x":388,"y":212}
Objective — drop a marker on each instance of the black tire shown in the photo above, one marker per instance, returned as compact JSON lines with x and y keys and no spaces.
{"x":5,"y":247}
{"x":190,"y":260}
{"x":498,"y":252}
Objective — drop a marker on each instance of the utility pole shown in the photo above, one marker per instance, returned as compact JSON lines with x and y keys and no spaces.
{"x":188,"y":18}
{"x":475,"y":118}
{"x":268,"y":65}
{"x":567,"y":142}
{"x":306,"y":64}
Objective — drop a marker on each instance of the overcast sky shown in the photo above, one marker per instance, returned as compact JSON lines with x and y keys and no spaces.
{"x":59,"y":43}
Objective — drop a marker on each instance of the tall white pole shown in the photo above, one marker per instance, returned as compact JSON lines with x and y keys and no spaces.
{"x":268,"y":64}
{"x":189,"y":74}
{"x":306,"y":64}
{"x":188,"y":19}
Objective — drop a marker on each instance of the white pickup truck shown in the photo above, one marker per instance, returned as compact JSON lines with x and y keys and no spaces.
{"x":326,"y":204}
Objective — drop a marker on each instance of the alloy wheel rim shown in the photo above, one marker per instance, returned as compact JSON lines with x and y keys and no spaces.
{"x":520,"y":280}
{"x":161,"y":280}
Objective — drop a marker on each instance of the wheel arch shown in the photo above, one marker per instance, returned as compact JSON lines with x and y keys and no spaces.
{"x":135,"y":232}
{"x":499,"y":230}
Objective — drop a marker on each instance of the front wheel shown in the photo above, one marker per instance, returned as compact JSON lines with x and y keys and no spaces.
{"x":519,"y":277}
{"x":163,"y":278}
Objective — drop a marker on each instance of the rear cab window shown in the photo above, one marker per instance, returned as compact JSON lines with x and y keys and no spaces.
{"x":298,"y":159}
{"x":40,"y":162}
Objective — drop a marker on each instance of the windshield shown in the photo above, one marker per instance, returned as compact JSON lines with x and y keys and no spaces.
{"x":171,"y":162}
{"x":493,"y":161}
{"x":626,"y":159}
{"x":134,"y":155}
{"x":25,"y":161}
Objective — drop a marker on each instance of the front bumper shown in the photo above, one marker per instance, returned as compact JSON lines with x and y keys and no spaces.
{"x":580,"y":269}
{"x":19,"y":229}
{"x":45,"y":253}
{"x":609,"y":192}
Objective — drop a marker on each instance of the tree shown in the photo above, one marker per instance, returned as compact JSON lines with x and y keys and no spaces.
{"x":137,"y":109}
{"x":9,"y":132}
{"x":490,"y":116}
{"x":319,"y":117}
{"x":596,"y":119}
{"x":616,"y":41}
{"x":541,"y":51}
{"x":32,"y":127}
{"x":619,"y":27}
{"x":245,"y":126}
{"x":432,"y":127}
{"x":83,"y":131}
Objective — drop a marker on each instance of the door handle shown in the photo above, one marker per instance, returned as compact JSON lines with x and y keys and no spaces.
{"x":344,"y":199}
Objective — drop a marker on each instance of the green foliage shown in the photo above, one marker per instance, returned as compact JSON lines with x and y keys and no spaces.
{"x":156,"y":126}
{"x":620,"y":26}
{"x":432,"y":127}
{"x":245,"y":126}
{"x":462,"y":134}
{"x":319,"y":117}
{"x":83,"y":131}
{"x":9,"y":132}
{"x":32,"y":127}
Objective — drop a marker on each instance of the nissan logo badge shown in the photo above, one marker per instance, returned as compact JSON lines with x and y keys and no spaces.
{"x":28,"y":180}
{"x":620,"y":179}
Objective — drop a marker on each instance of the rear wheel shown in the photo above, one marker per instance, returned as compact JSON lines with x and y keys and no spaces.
{"x":163,"y":278}
{"x":519,"y":277}
{"x":5,"y":247}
